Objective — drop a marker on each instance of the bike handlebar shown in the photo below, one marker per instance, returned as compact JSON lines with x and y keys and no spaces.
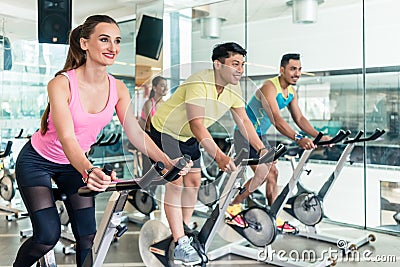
{"x":112,"y":140}
{"x":272,"y":155}
{"x":241,"y":156}
{"x":7,"y":151}
{"x":318,"y":138}
{"x":19,"y":135}
{"x":172,"y":174}
{"x":341,"y":135}
{"x":145,"y":181}
{"x":378,"y":132}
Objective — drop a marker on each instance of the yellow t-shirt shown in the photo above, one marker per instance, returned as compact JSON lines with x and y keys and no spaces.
{"x":199,"y":89}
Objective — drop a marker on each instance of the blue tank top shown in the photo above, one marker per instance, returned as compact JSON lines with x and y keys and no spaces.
{"x":256,"y":112}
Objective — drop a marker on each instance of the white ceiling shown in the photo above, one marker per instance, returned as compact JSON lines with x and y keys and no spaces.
{"x":19,"y":14}
{"x":16,"y":16}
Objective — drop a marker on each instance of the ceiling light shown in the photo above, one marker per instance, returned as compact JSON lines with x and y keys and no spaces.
{"x":210,"y":27}
{"x":304,"y":11}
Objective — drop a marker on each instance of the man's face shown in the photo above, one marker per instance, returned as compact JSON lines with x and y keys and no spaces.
{"x":232,"y":69}
{"x":291,"y":72}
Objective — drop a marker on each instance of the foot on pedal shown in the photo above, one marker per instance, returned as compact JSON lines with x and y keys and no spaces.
{"x":286,"y":228}
{"x":184,"y":252}
{"x":192,"y":225}
{"x":234,"y":217}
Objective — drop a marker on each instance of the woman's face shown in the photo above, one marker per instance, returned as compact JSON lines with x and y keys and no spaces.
{"x":161,"y":88}
{"x":103,"y":45}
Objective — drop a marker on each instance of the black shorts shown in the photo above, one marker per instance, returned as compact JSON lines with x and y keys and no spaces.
{"x":241,"y":142}
{"x":175,"y":148}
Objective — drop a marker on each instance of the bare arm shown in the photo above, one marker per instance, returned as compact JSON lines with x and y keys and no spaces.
{"x":146,"y":111}
{"x":268,"y":100}
{"x":299,"y":118}
{"x":303,"y":124}
{"x":134,"y":132}
{"x":267,"y":94}
{"x":195,"y":116}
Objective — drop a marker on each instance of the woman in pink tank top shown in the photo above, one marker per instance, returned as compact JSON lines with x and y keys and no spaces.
{"x":81,"y":102}
{"x":158,"y":90}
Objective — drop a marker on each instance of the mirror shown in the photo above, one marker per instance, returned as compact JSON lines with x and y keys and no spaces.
{"x":148,"y":43}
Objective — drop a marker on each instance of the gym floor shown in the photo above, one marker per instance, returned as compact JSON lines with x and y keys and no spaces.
{"x":385,"y":251}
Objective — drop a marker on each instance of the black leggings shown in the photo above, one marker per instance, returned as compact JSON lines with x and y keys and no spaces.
{"x":34,"y":174}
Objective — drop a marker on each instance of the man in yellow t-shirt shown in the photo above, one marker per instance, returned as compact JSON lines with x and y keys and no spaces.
{"x":180,"y":125}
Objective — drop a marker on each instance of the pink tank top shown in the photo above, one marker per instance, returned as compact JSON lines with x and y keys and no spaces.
{"x":153,"y":109}
{"x":87,"y":126}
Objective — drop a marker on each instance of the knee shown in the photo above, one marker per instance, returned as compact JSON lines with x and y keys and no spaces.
{"x":86,"y":242}
{"x":193,"y":184}
{"x":46,"y":227}
{"x":193,"y":178}
{"x":272,"y":176}
{"x":48,"y":235}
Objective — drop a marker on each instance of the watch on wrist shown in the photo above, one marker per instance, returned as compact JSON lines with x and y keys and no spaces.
{"x":87,"y":173}
{"x":298,"y":136}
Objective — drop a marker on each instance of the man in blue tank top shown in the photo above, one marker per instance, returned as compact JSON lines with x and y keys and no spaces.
{"x":263,"y":110}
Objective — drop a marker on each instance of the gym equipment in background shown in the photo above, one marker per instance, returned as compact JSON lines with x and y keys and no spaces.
{"x":307,"y":206}
{"x":8,"y":186}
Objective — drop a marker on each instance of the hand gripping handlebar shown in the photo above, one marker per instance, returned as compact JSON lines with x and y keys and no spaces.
{"x":142,"y":183}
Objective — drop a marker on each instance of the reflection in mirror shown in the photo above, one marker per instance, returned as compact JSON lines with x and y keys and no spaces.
{"x":148,"y":43}
{"x":345,"y":84}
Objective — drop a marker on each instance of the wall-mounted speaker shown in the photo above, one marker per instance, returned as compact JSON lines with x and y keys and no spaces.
{"x":54,"y":21}
{"x":149,"y":39}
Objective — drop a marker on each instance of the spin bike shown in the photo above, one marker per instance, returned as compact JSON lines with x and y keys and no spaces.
{"x":7,"y":183}
{"x":261,"y":231}
{"x":110,"y":224}
{"x":213,"y":180}
{"x":307,"y":206}
{"x":8,"y":186}
{"x":156,"y":244}
{"x":144,"y":200}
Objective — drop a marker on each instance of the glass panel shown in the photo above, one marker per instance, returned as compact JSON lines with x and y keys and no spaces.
{"x":213,"y":24}
{"x":328,"y":95}
{"x":382,"y":110}
{"x":27,"y":68}
{"x":334,"y":91}
{"x":147,"y":44}
{"x":30,"y":65}
{"x":149,"y":59}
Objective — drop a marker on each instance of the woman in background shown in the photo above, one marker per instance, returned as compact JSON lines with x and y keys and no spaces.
{"x":158,"y":90}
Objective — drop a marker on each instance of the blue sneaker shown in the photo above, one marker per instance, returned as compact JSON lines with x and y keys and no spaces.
{"x":184,"y":252}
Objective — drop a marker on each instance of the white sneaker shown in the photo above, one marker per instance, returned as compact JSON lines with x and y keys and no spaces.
{"x":184,"y":252}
